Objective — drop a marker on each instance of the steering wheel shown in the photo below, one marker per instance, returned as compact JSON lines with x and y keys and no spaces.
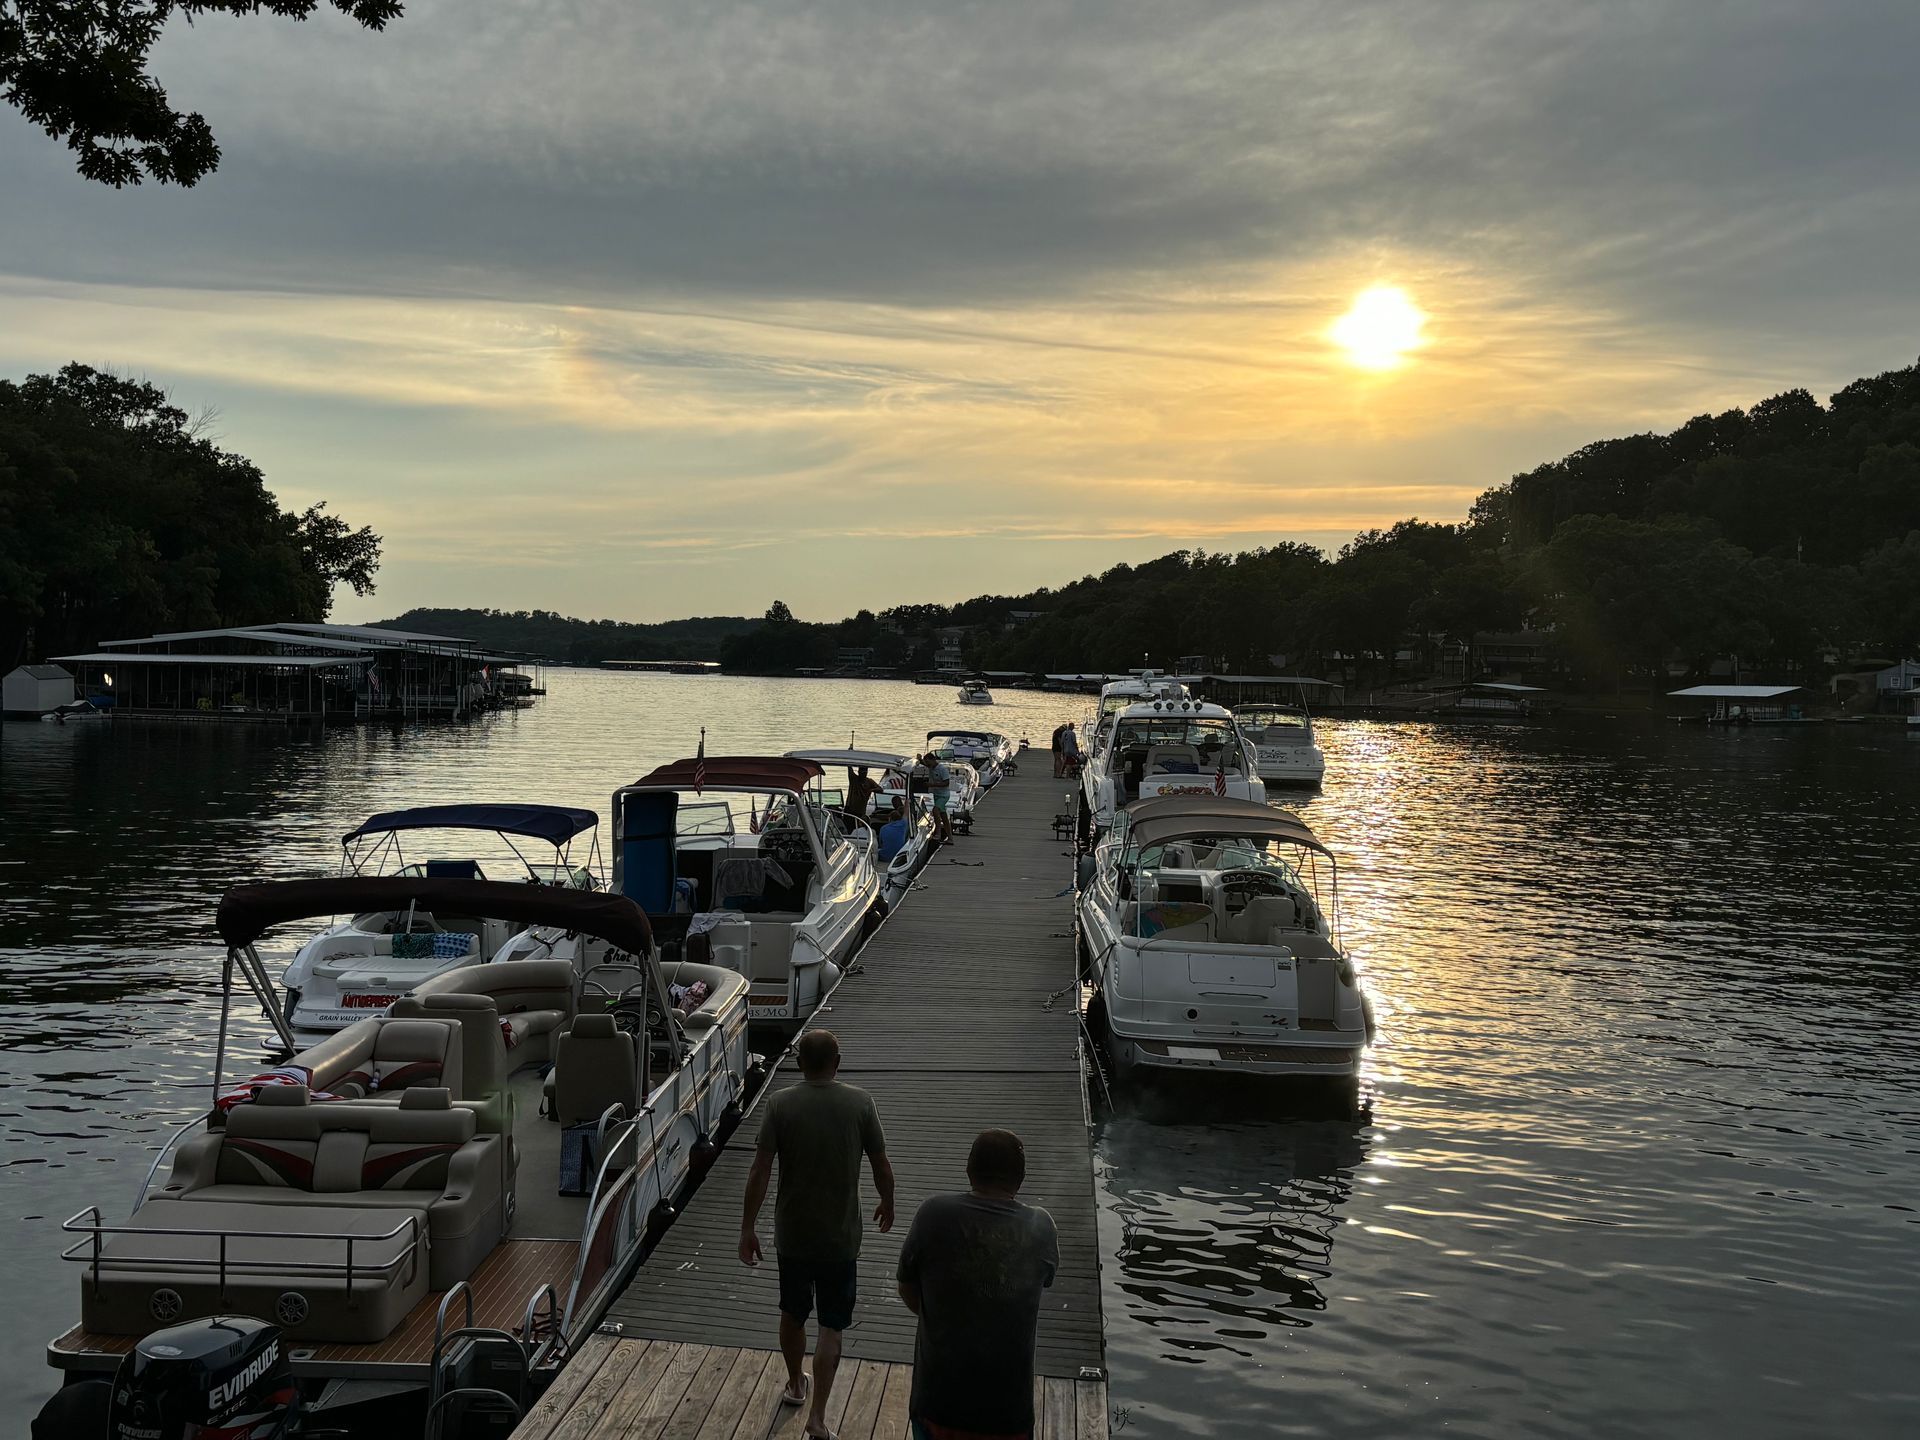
{"x":785,"y":844}
{"x":1246,"y":885}
{"x":637,"y":1012}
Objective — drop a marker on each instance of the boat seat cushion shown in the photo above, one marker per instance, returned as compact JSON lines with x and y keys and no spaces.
{"x":387,"y":1052}
{"x":595,"y":1065}
{"x":1254,"y":925}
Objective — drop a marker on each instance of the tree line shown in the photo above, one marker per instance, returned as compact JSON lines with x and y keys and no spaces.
{"x":1785,"y":536}
{"x":554,"y":636}
{"x":119,"y":517}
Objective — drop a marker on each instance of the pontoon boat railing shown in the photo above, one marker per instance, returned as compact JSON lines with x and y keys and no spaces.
{"x":177,"y":1134}
{"x":97,"y":1261}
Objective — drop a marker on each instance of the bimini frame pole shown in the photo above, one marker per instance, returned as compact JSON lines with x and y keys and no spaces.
{"x":254,"y":970}
{"x":226,"y":1004}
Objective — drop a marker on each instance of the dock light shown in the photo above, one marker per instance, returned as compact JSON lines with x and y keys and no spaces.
{"x":105,"y":678}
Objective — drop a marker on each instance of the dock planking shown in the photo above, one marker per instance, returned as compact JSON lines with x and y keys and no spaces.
{"x":663,"y":1390}
{"x":958,"y":1016}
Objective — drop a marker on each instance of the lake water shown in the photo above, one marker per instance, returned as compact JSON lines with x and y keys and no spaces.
{"x":1643,"y":1149}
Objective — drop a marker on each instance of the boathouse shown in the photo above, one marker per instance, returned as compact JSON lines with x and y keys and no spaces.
{"x":301,"y":672}
{"x":32,"y":690}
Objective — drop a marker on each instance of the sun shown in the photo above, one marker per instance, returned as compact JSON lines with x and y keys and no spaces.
{"x":1380,"y":329}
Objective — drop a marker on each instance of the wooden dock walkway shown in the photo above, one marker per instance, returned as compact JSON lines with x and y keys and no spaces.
{"x":958,"y":1016}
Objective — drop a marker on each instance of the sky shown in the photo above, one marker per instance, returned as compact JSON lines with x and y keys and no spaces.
{"x":641,"y":309}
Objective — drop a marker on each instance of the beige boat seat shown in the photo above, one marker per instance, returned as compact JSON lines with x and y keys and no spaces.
{"x":1255,"y":924}
{"x":484,"y":1058}
{"x":1159,"y":757}
{"x":595,"y":1065}
{"x":385,"y":1053}
{"x":535,"y":998}
{"x":424,"y":1153}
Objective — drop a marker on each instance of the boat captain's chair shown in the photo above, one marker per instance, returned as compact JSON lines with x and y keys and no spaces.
{"x":595,"y":1065}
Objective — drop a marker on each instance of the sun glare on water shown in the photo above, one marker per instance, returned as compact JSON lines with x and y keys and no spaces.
{"x":1380,"y":329}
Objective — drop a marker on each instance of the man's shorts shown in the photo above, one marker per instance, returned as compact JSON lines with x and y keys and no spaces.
{"x":940,"y":799}
{"x":831,"y":1282}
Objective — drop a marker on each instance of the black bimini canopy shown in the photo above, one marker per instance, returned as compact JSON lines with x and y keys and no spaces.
{"x":250,"y":911}
{"x":1179,"y":817}
{"x":555,"y":824}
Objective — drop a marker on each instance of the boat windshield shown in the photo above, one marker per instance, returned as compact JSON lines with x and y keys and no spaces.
{"x":1263,"y":717}
{"x":705,"y":817}
{"x":1170,"y":742}
{"x":1218,"y":853}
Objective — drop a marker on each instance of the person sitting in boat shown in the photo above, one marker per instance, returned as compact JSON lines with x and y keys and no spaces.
{"x":891,"y":826}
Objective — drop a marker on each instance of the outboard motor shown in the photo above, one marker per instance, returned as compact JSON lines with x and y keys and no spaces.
{"x":224,"y":1378}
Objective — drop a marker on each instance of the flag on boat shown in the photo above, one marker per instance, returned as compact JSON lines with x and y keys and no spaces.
{"x":1220,"y":775}
{"x":700,"y":764}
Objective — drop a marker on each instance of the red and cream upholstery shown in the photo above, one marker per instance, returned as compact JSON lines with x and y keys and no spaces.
{"x":534,"y":1000}
{"x":386,"y":1054}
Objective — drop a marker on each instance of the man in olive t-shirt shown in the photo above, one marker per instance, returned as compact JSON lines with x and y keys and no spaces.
{"x":973,"y":1268}
{"x":817,"y":1130}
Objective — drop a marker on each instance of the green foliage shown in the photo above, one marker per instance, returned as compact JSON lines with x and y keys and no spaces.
{"x":117,"y":517}
{"x":78,"y":70}
{"x":583,"y":642}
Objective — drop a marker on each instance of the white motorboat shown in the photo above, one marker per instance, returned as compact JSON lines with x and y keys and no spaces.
{"x":758,"y":874}
{"x":1284,"y":749}
{"x":361,"y":965}
{"x":1004,"y":749}
{"x":399,"y":1181}
{"x":974,"y":692}
{"x":1164,"y":747}
{"x":76,"y":711}
{"x":1117,"y":695}
{"x":903,"y":852}
{"x":976,"y":748}
{"x":1211,"y":948}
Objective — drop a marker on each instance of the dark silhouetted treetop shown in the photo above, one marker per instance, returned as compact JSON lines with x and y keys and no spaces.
{"x":78,"y":70}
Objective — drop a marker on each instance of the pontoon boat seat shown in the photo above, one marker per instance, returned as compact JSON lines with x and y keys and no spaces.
{"x":595,"y":1065}
{"x":484,"y":1059}
{"x":534,"y":997}
{"x":424,"y":1154}
{"x":385,"y":1053}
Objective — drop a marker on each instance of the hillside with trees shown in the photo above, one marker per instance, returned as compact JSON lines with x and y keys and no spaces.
{"x":1785,"y":536}
{"x":553,"y":636}
{"x":118,"y":516}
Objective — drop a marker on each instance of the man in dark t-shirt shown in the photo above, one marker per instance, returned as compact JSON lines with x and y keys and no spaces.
{"x":973,"y":1268}
{"x":817,"y":1131}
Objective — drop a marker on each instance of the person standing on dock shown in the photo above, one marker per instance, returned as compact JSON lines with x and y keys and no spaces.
{"x":817,"y":1130}
{"x":1059,"y":752}
{"x":940,"y":786}
{"x":973,"y":1268}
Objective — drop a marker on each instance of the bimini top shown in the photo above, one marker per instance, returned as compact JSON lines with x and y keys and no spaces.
{"x":872,"y":759}
{"x":1176,"y":817}
{"x":249,"y":911}
{"x":555,"y":824}
{"x":965,"y":735}
{"x":736,"y":772}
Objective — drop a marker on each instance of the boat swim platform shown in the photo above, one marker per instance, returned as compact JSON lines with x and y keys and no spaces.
{"x":959,"y":1015}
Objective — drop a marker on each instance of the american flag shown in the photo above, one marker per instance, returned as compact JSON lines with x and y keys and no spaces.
{"x":700,"y":764}
{"x":1220,"y":775}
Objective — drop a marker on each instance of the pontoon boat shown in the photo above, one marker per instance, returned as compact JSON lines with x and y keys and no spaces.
{"x":759,"y":875}
{"x":360,"y":966}
{"x":1211,"y":948}
{"x":379,"y":1196}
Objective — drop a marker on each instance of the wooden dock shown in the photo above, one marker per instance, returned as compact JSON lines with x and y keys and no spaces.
{"x":958,"y":1016}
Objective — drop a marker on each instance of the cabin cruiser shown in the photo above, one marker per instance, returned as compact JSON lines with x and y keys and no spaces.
{"x":759,"y":876}
{"x":1210,"y":947}
{"x":1284,"y":750}
{"x":1164,"y":747}
{"x":974,"y":692}
{"x":916,"y":840}
{"x":360,"y":966}
{"x":401,"y":1198}
{"x":1117,"y":695}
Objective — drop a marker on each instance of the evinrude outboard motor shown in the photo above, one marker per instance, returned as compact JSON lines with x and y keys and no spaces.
{"x":224,"y":1378}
